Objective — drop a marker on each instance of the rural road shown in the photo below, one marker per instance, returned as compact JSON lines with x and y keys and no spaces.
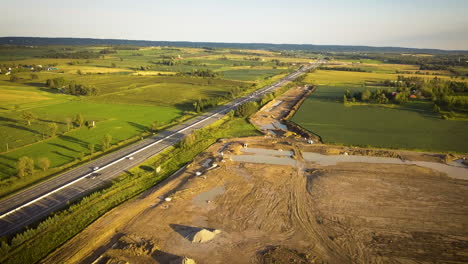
{"x":36,"y":203}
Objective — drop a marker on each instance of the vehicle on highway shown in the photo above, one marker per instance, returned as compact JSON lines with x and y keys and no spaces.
{"x":93,"y":175}
{"x":95,"y":168}
{"x":130,"y":158}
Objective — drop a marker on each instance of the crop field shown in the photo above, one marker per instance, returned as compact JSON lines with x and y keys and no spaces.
{"x":250,"y":74}
{"x":322,"y":77}
{"x":409,"y":126}
{"x":377,"y":67}
{"x":413,"y":126}
{"x":136,"y":87}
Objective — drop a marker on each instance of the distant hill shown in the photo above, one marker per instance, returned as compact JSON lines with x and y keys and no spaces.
{"x":36,"y":41}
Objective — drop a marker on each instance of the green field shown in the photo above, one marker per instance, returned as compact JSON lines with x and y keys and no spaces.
{"x":250,"y":74}
{"x":413,"y":126}
{"x":136,"y":88}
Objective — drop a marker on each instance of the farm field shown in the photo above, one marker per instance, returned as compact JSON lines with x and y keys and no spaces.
{"x":321,"y":77}
{"x":137,"y":87}
{"x":412,"y":125}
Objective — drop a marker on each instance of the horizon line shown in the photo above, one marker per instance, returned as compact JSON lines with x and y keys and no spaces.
{"x":221,"y":42}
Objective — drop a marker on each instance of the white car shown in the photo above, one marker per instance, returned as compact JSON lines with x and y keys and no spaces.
{"x":130,"y":158}
{"x":95,"y":168}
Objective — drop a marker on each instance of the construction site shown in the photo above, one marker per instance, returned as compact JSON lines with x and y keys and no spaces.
{"x":285,"y":197}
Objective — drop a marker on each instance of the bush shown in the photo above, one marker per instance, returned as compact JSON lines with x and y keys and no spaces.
{"x":246,"y":109}
{"x":14,"y":78}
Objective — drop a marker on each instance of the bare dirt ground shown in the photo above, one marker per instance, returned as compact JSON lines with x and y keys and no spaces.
{"x":269,"y":118}
{"x":346,"y":213}
{"x":300,"y":213}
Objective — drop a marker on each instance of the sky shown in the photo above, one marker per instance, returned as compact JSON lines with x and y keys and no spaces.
{"x":441,"y":24}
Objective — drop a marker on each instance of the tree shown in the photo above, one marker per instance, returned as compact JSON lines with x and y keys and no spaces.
{"x":34,"y":76}
{"x":365,"y":96}
{"x":79,"y":120}
{"x":52,"y":127}
{"x":91,"y":148}
{"x":266,"y":98}
{"x":106,"y":141}
{"x":14,"y":78}
{"x":113,"y":65}
{"x":188,"y":141}
{"x":44,"y":163}
{"x":25,"y":166}
{"x":436,"y":108}
{"x":197,"y":106}
{"x":345,"y":99}
{"x":56,"y":83}
{"x":401,"y":98}
{"x":79,"y":72}
{"x":28,"y":116}
{"x":50,"y":83}
{"x":68,"y":121}
{"x":348,"y":93}
{"x":246,"y":109}
{"x":154,"y":126}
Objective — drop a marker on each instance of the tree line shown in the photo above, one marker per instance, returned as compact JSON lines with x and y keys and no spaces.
{"x":71,"y":87}
{"x":342,"y":69}
{"x":71,"y":55}
{"x":445,"y":94}
{"x":207,"y":73}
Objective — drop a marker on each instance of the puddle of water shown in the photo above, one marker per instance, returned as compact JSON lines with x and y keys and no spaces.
{"x":458,"y":163}
{"x":202,"y":198}
{"x":207,"y":163}
{"x":333,"y":159}
{"x":268,"y":127}
{"x":280,"y":126}
{"x":456,"y":172}
{"x":264,"y":159}
{"x":271,"y":152}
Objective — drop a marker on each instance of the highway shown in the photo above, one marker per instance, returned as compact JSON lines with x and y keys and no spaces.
{"x":36,"y":203}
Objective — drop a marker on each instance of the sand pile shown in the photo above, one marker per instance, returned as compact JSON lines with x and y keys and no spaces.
{"x":186,"y":260}
{"x":204,"y":235}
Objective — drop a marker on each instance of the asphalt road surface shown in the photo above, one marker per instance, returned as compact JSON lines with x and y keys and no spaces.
{"x":37,"y":202}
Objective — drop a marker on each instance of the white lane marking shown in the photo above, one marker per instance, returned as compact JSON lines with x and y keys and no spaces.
{"x":132,"y":153}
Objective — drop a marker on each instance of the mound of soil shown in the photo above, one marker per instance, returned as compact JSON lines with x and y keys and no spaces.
{"x":204,"y":235}
{"x":188,"y":261}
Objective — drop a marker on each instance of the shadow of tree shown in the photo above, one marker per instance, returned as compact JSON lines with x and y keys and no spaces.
{"x":63,"y":155}
{"x":6,"y":165}
{"x":80,"y":142}
{"x":64,"y":147}
{"x":146,"y":168}
{"x":51,"y":121}
{"x":23,"y":128}
{"x":8,"y":158}
{"x":141,"y":128}
{"x":7,"y":119}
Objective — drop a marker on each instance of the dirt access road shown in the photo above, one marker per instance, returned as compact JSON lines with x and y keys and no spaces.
{"x":301,"y":212}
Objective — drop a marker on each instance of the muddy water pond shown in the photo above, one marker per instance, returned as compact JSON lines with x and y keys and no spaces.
{"x":271,"y":152}
{"x":203,"y":198}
